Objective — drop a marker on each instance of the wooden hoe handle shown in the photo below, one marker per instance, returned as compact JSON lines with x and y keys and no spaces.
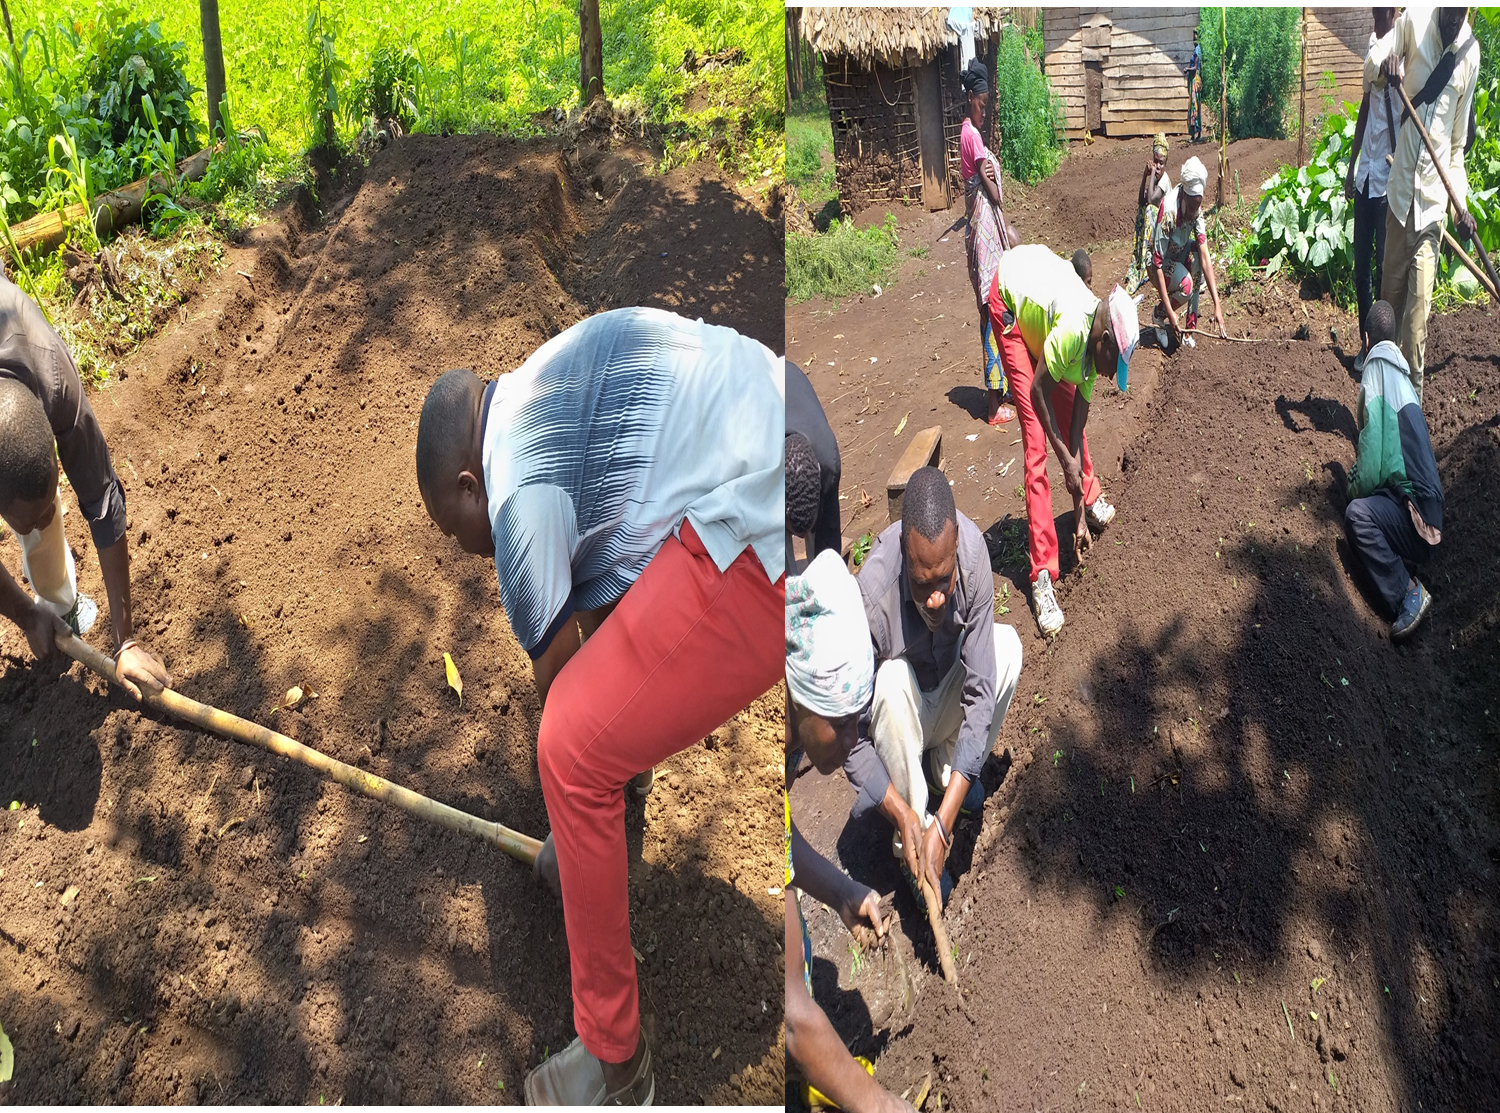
{"x":521,"y":847}
{"x":940,"y":935}
{"x":1443,"y":176}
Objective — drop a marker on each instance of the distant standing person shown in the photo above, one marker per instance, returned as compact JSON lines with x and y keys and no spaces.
{"x":812,"y":472}
{"x":1395,"y":511}
{"x":1055,"y":337}
{"x":1154,"y":185}
{"x":1179,"y":257}
{"x":985,"y":234}
{"x":1195,"y":91}
{"x":1440,"y":58}
{"x":1379,"y":108}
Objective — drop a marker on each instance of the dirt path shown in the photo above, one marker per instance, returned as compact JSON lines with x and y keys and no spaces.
{"x":1239,"y":851}
{"x":325,"y":948}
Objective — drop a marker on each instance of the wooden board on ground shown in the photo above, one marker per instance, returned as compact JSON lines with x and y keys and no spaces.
{"x":925,"y":448}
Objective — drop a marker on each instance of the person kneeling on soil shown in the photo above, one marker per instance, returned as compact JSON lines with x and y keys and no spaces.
{"x":44,"y":418}
{"x":1179,"y":257}
{"x":830,"y":677}
{"x":947,"y":671}
{"x":1395,"y":511}
{"x":627,"y":480}
{"x":1045,"y":314}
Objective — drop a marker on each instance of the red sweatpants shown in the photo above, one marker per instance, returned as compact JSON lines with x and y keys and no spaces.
{"x":687,"y":648}
{"x":1020,"y":369}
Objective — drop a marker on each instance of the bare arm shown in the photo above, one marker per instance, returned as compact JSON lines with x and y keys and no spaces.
{"x":815,"y":1046}
{"x":1159,"y":279}
{"x":1213,"y":285}
{"x":135,"y":668}
{"x":988,"y":183}
{"x":38,"y":623}
{"x":1147,"y":184}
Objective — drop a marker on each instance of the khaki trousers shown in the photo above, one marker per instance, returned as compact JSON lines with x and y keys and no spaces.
{"x":906,"y":722}
{"x":47,"y":562}
{"x":1407,"y":275}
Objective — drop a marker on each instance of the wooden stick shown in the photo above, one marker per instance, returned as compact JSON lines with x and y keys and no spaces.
{"x":1236,"y":339}
{"x":939,"y":933}
{"x":521,"y":847}
{"x":1484,"y":279}
{"x":1443,"y":176}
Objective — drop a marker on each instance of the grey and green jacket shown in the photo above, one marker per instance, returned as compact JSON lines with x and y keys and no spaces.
{"x":1394,"y":451}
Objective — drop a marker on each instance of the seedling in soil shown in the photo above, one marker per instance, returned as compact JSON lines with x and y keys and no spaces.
{"x":1119,"y":892}
{"x":856,"y":957}
{"x":1318,"y":983}
{"x":861,"y":548}
{"x":1056,"y":757}
{"x":1038,"y":699}
{"x":1288,"y":1016}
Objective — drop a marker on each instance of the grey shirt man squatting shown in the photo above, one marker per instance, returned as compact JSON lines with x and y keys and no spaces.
{"x":965,"y":635}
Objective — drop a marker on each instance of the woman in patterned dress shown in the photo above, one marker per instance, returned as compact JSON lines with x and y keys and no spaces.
{"x":1154,"y":185}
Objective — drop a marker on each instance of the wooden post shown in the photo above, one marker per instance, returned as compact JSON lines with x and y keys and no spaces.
{"x":1302,"y":111}
{"x":213,"y":65}
{"x":1223,"y":105}
{"x":590,"y":51}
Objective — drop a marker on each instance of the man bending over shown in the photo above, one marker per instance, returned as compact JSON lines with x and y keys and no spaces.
{"x":627,"y":481}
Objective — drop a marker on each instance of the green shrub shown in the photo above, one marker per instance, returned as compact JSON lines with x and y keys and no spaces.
{"x":129,"y":60}
{"x":1028,"y":114}
{"x":391,"y":88}
{"x":842,"y":261}
{"x":1265,"y":54}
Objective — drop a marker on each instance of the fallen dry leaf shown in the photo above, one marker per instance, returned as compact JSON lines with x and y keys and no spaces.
{"x":901,"y":424}
{"x":454,"y":680}
{"x":294,"y":698}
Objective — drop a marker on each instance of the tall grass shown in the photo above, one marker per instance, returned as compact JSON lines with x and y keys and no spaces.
{"x":842,"y":261}
{"x":1028,"y":114}
{"x":480,"y":65}
{"x":1265,"y":52}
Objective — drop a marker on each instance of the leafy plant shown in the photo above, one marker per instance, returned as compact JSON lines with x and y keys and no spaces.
{"x":1028,"y":114}
{"x":129,"y":60}
{"x":321,"y":76}
{"x":1304,"y":220}
{"x":392,"y":87}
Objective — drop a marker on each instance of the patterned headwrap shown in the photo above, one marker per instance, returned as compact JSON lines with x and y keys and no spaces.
{"x":1160,"y":142}
{"x":830,"y":661}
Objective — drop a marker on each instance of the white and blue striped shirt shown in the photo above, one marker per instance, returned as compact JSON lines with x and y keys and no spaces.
{"x":611,"y":434}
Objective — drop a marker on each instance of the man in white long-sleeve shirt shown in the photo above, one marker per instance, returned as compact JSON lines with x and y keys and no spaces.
{"x":1440,"y":58}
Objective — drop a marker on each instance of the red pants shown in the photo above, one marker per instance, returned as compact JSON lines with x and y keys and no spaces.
{"x":687,"y":648}
{"x":1020,"y":369}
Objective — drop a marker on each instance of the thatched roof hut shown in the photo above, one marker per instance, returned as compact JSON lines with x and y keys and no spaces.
{"x":894,"y":100}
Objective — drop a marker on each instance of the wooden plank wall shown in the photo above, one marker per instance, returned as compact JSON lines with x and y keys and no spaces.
{"x":1145,"y":87}
{"x":1145,"y":90}
{"x":1337,"y":39}
{"x":1143,"y":59}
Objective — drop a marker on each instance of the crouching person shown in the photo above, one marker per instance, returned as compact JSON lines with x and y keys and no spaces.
{"x":947,"y":671}
{"x":1395,"y":511}
{"x":830,"y":675}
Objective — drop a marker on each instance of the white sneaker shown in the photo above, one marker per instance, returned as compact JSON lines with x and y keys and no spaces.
{"x":1099,"y":513}
{"x":1190,"y":342}
{"x":1049,"y":616}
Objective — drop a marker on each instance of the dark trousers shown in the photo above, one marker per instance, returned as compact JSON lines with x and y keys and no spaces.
{"x":1369,"y":245}
{"x":1382,"y":535}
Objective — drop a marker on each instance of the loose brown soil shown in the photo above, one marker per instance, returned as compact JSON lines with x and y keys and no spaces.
{"x":1239,"y":850}
{"x":234,"y":928}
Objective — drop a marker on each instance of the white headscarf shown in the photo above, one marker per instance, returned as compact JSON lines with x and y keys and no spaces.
{"x":830,"y":662}
{"x":1194,"y":177}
